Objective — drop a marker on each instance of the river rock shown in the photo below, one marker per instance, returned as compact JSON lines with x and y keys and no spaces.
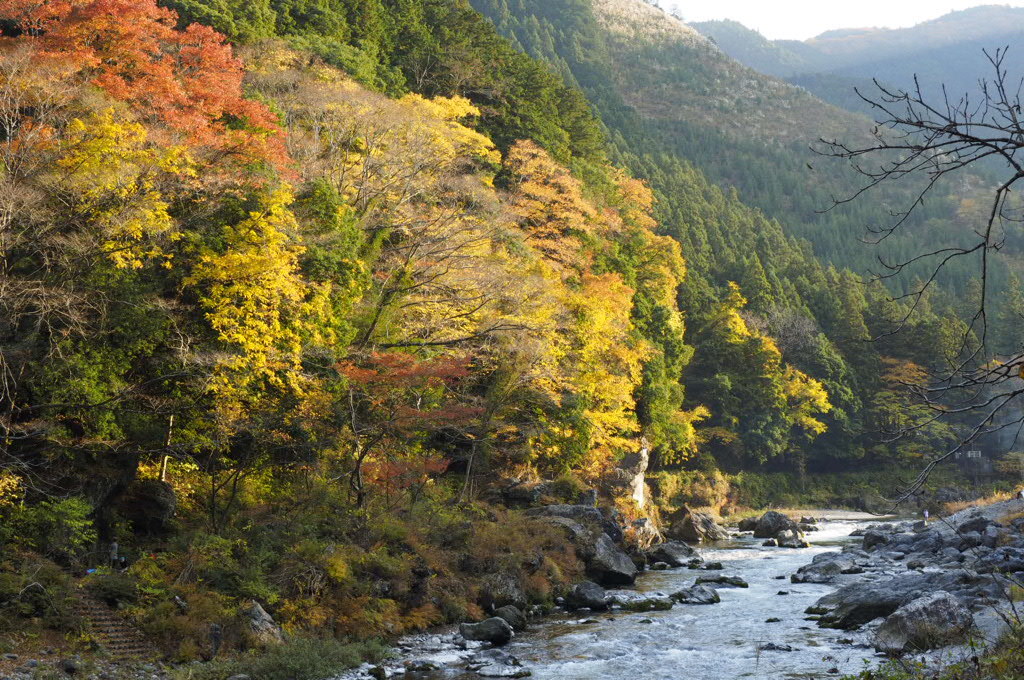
{"x":630,"y":600}
{"x":587,"y":595}
{"x":502,"y":589}
{"x":697,"y":594}
{"x":934,"y":620}
{"x":771,"y":524}
{"x":261,"y":624}
{"x":791,"y":538}
{"x":808,"y":520}
{"x":858,"y":603}
{"x":873,"y":539}
{"x":495,"y":630}
{"x":673,"y":553}
{"x":608,"y":564}
{"x":978,"y":524}
{"x":694,"y":527}
{"x":586,"y":515}
{"x":722,"y":581}
{"x":1003,"y":560}
{"x":824,"y":568}
{"x":512,"y":615}
{"x":747,"y":524}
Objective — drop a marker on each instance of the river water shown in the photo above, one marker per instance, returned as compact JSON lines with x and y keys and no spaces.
{"x":710,"y":642}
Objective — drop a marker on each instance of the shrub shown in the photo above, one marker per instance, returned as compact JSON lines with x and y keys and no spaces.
{"x":300,"y":659}
{"x":114,"y":589}
{"x":60,"y":529}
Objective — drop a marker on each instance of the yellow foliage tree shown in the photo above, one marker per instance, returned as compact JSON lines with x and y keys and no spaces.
{"x":113,"y":173}
{"x":253,"y":293}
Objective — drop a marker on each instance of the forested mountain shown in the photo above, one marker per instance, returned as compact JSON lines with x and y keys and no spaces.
{"x":289,"y":290}
{"x":944,"y":51}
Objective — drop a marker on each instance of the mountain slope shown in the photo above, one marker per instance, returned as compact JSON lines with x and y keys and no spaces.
{"x":947,"y":50}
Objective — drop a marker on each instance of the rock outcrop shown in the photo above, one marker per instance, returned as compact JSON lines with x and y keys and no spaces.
{"x":933,"y":620}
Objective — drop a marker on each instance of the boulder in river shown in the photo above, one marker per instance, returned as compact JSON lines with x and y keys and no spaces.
{"x":694,"y":527}
{"x":791,"y":538}
{"x":512,"y":615}
{"x":587,"y":595}
{"x":771,"y":524}
{"x":873,"y":539}
{"x":747,"y":524}
{"x":608,"y":564}
{"x":933,"y":620}
{"x":697,"y":594}
{"x":632,"y":601}
{"x":722,"y":580}
{"x":824,"y":568}
{"x":673,"y":553}
{"x":858,"y":603}
{"x":495,"y":630}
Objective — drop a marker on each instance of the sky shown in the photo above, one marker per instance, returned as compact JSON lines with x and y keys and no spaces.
{"x":802,"y":19}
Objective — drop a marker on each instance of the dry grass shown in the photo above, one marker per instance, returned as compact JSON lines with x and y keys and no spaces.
{"x":997,"y":497}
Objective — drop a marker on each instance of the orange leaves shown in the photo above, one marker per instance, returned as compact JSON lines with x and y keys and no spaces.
{"x":550,"y":205}
{"x":186,"y":82}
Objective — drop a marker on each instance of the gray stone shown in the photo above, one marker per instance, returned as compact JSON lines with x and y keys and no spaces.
{"x":934,"y":620}
{"x":694,"y":527}
{"x":587,"y":595}
{"x":824,"y":568}
{"x":261,"y":624}
{"x":673,"y":553}
{"x":697,"y":594}
{"x":791,"y":538}
{"x":495,"y":630}
{"x":747,"y":524}
{"x":633,"y":601}
{"x":722,"y":581}
{"x":501,"y":589}
{"x":771,"y":523}
{"x":608,"y":564}
{"x":512,"y":615}
{"x":873,"y":539}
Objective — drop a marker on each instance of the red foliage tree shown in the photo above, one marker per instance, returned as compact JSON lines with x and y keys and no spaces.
{"x":185,"y":82}
{"x":393,"y":398}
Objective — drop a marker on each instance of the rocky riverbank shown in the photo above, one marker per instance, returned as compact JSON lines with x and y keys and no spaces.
{"x":941,"y":588}
{"x":681,"y":581}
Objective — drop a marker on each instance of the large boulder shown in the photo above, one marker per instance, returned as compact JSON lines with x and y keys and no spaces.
{"x":873,"y":539}
{"x":632,"y":601}
{"x":587,"y":595}
{"x":791,"y":538}
{"x":261,"y":624}
{"x":747,"y":524}
{"x":824,"y":568}
{"x":513,"y":616}
{"x":587,"y":515}
{"x":495,"y":630}
{"x":722,"y":581}
{"x":858,"y":603}
{"x":694,"y":527}
{"x":771,"y":524}
{"x":672,"y":553}
{"x":501,"y":589}
{"x":933,"y":620}
{"x":608,"y":564}
{"x":697,"y":594}
{"x":630,"y":476}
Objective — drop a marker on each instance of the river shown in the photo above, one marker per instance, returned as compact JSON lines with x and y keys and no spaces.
{"x":709,"y":642}
{"x":723,"y":641}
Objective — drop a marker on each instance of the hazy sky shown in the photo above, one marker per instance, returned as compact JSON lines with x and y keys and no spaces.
{"x":802,"y":19}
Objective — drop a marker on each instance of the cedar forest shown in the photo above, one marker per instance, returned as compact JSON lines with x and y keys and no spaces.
{"x":287,"y":287}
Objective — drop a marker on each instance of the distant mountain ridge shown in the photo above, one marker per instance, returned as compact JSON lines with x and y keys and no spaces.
{"x":947,"y":50}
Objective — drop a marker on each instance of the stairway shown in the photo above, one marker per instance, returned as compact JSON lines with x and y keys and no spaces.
{"x":119,"y":638}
